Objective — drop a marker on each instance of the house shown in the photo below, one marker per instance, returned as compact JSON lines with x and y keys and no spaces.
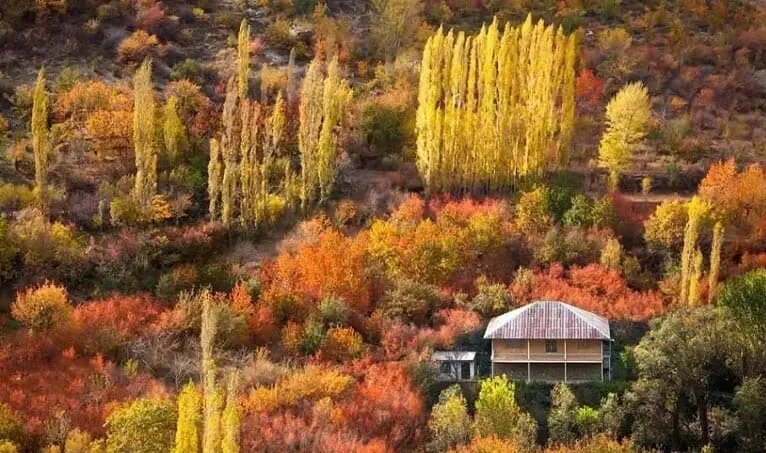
{"x":550,"y":341}
{"x":455,"y":365}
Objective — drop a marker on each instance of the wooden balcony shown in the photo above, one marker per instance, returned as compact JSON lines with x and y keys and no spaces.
{"x":523,"y":357}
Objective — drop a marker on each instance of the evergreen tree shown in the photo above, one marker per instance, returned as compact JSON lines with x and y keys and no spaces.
{"x":715,"y":260}
{"x":187,"y":428}
{"x":494,"y":108}
{"x":39,"y":127}
{"x":322,"y":111}
{"x":561,"y":419}
{"x":143,"y":138}
{"x":627,"y":117}
{"x":243,"y":59}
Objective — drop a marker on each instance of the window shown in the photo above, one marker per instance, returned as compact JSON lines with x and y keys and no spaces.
{"x":446,"y":368}
{"x":550,"y":345}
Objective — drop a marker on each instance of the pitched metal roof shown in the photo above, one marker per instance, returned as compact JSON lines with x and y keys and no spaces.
{"x":548,"y":319}
{"x":453,"y":356}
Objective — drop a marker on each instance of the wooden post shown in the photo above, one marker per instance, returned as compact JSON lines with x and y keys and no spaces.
{"x":565,"y":361}
{"x":529,"y":364}
{"x":602,"y":361}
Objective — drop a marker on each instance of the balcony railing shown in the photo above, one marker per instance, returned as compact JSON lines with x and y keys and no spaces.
{"x":594,"y":357}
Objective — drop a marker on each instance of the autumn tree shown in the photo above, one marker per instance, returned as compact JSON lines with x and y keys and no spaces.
{"x":696,"y":210}
{"x":627,"y":117}
{"x":230,"y":418}
{"x":715,"y":260}
{"x":394,"y":25}
{"x":173,"y":131}
{"x":211,"y":431}
{"x":39,"y":127}
{"x":144,"y":147}
{"x":494,"y":108}
{"x":187,"y":429}
{"x":43,"y":307}
{"x":324,"y":98}
{"x":243,"y":58}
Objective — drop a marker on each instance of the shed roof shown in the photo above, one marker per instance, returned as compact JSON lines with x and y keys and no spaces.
{"x":454,"y":356}
{"x":548,"y":319}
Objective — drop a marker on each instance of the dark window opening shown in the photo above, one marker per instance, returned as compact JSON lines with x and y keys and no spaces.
{"x":550,"y":345}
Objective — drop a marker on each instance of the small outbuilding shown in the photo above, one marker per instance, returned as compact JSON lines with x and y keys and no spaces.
{"x":551,"y":341}
{"x":455,"y":366}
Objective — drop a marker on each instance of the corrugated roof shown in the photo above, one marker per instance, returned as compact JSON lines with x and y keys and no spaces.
{"x":456,"y":356}
{"x":548,"y":319}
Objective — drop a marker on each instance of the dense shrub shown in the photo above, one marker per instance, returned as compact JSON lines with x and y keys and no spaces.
{"x":143,"y":426}
{"x":308,"y":384}
{"x":409,"y":301}
{"x":42,"y":308}
{"x":137,"y":47}
{"x":342,"y":344}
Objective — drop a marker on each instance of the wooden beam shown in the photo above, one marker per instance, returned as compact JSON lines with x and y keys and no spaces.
{"x":529,"y":364}
{"x":565,"y":360}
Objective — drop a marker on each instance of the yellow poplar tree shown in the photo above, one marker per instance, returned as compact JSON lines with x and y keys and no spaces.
{"x":143,"y":138}
{"x":173,"y":130}
{"x":694,"y":280}
{"x":715,"y":260}
{"x":495,"y":108}
{"x":696,"y":210}
{"x":322,"y":110}
{"x":39,"y":127}
{"x":229,"y":154}
{"x":243,"y":58}
{"x":211,"y":433}
{"x":230,"y":420}
{"x":187,"y":428}
{"x":214,"y":177}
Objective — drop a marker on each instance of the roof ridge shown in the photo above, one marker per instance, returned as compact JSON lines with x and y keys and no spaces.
{"x":580,"y":313}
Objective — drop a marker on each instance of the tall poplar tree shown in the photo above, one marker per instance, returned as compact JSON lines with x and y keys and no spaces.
{"x":211,"y":437}
{"x":173,"y":131}
{"x":229,"y":148}
{"x":230,"y":420}
{"x":187,"y":427}
{"x":143,"y":138}
{"x":39,"y":128}
{"x":243,"y":58}
{"x":214,"y":178}
{"x":696,"y":210}
{"x":496,"y":108}
{"x":322,"y":110}
{"x":715,"y":260}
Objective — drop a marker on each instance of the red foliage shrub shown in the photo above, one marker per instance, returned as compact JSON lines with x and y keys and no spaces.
{"x":126,"y":316}
{"x":399,"y":340}
{"x":386,"y":406}
{"x":589,"y":89}
{"x":44,"y":375}
{"x":591,"y":288}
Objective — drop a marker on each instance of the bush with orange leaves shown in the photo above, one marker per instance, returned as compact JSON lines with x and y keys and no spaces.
{"x":591,"y":288}
{"x":333,"y":265}
{"x":598,"y":444}
{"x":138,"y":46}
{"x":43,"y":307}
{"x":430,"y":249}
{"x":341,"y":344}
{"x":489,"y":444}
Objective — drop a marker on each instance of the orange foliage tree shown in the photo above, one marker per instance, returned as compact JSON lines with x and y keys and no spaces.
{"x":334,"y":265}
{"x":591,"y":288}
{"x":737,"y":195}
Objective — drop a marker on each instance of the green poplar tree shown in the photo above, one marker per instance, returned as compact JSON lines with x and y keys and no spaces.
{"x":39,"y":127}
{"x":143,"y":138}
